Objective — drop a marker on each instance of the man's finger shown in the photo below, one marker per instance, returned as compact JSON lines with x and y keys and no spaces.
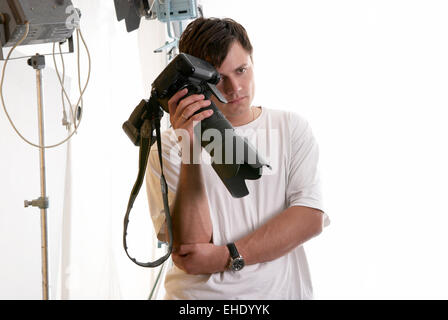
{"x":174,"y":100}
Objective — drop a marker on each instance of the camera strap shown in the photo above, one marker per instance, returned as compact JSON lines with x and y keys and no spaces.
{"x":146,"y":141}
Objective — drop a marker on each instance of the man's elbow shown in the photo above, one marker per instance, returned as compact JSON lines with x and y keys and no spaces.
{"x":318,"y":223}
{"x":312,"y":219}
{"x":162,"y":237}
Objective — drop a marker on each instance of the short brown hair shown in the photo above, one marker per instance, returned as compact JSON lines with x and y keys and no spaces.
{"x":210,"y":39}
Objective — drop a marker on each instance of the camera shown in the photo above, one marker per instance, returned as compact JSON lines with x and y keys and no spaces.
{"x":200,"y":77}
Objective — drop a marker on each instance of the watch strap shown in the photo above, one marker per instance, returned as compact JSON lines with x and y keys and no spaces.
{"x":233,"y":250}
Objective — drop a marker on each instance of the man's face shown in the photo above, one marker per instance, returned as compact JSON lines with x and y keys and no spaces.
{"x":237,"y":85}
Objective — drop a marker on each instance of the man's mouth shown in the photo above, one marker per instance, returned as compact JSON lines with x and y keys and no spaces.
{"x":236,"y":100}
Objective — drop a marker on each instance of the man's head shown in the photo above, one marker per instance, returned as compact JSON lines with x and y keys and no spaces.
{"x":210,"y":39}
{"x":225,"y":44}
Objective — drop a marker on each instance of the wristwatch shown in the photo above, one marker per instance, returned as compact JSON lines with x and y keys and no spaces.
{"x":236,"y":262}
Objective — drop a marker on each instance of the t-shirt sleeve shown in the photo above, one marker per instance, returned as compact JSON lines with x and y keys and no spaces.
{"x":304,"y":184}
{"x":171,"y":168}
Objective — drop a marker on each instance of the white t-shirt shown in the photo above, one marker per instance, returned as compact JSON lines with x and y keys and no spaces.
{"x":286,"y":142}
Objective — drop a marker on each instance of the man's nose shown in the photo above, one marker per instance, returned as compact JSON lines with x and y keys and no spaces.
{"x":232,"y":86}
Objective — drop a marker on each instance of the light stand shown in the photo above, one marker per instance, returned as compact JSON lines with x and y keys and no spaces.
{"x":30,"y":22}
{"x":37,"y":62}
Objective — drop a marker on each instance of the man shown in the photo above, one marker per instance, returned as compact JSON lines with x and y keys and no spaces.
{"x":228,"y":248}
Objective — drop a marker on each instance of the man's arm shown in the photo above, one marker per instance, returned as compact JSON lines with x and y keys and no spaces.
{"x":188,"y":208}
{"x":190,"y":211}
{"x":289,"y":229}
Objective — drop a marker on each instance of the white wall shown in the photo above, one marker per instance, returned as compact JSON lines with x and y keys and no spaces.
{"x":105,"y":164}
{"x":20,"y":229}
{"x":87,"y":205}
{"x":370,"y":76}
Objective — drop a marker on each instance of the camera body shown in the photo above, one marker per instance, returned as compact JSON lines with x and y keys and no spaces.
{"x":199,"y":77}
{"x":186,"y":71}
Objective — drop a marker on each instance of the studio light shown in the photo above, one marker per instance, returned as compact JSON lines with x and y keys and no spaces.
{"x":165,"y":11}
{"x":49,"y":21}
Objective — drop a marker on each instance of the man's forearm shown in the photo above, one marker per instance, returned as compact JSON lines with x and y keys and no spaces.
{"x":289,"y":229}
{"x":190,"y":211}
{"x":281,"y":234}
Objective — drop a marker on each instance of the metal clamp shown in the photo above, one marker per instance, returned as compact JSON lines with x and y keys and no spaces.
{"x":41,"y":203}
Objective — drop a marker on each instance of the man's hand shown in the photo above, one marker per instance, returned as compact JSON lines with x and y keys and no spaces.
{"x":182,"y":110}
{"x":201,"y":258}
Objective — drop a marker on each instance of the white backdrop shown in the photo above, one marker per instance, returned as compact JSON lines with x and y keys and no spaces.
{"x":370,"y":76}
{"x":20,"y":266}
{"x":88,"y":200}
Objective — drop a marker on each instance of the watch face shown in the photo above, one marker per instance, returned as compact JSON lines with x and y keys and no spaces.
{"x":238,"y":264}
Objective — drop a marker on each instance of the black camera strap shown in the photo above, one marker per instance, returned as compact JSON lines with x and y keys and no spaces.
{"x":146,"y":141}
